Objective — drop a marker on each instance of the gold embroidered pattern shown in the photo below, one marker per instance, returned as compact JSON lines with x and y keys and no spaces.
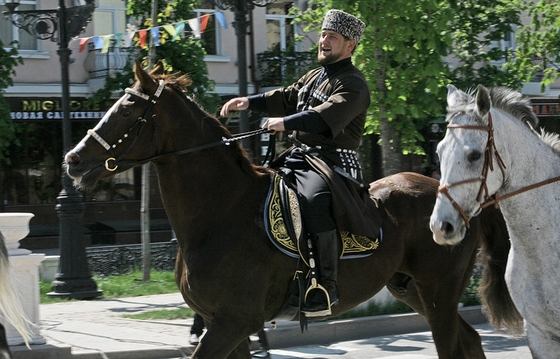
{"x":277,"y":225}
{"x":352,"y":245}
{"x":357,"y":244}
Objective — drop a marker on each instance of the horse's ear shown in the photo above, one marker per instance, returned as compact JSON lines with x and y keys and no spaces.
{"x":158,"y":69}
{"x":146,"y":81}
{"x":483,"y":101}
{"x":455,"y":97}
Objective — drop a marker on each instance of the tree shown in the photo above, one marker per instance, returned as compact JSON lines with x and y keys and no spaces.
{"x":538,"y":46}
{"x":478,"y":28}
{"x":9,"y":59}
{"x":402,"y":55}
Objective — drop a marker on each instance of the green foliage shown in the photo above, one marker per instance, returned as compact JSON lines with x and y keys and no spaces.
{"x":476,"y":25}
{"x":538,"y":48}
{"x":9,"y":59}
{"x":184,"y":55}
{"x":402,"y":55}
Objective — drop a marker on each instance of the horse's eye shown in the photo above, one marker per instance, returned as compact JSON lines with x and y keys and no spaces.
{"x":473,"y":156}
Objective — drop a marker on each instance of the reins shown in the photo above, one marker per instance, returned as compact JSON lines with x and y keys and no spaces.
{"x":490,"y":150}
{"x":112,"y":162}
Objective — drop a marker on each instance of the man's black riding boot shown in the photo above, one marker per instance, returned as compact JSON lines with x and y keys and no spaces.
{"x":326,"y":248}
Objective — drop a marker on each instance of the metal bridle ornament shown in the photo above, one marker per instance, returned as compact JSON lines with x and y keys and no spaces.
{"x":490,"y":151}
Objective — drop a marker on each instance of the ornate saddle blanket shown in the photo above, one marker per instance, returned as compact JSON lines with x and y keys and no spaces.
{"x":285,"y":230}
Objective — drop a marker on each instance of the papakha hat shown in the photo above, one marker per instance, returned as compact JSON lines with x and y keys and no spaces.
{"x":345,"y":24}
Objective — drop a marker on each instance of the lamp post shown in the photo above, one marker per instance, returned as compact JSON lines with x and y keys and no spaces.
{"x":73,"y":279}
{"x":240,"y":9}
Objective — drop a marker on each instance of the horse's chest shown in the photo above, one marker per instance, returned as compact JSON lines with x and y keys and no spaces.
{"x":533,"y":285}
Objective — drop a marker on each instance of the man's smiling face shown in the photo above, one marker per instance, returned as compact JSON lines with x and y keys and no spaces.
{"x":334,"y":47}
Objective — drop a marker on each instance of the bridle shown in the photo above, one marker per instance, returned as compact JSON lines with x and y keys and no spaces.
{"x":486,"y":200}
{"x":113,"y":161}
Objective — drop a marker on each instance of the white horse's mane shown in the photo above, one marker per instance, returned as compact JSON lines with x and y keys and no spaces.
{"x":515,"y":104}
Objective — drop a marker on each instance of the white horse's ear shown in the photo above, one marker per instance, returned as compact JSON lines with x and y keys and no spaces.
{"x":483,"y":101}
{"x":455,"y":97}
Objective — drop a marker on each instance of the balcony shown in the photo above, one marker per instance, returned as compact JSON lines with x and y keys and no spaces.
{"x":281,"y":68}
{"x":102,"y":65}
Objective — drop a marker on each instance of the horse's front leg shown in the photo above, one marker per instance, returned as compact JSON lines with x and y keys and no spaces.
{"x":4,"y":348}
{"x":227,"y":337}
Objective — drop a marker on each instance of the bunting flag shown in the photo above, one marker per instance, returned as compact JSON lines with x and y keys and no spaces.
{"x":118,"y":39}
{"x":128,"y":39}
{"x":83,"y":43}
{"x":155,"y":35}
{"x":143,"y":35}
{"x":195,"y":27}
{"x":97,"y":42}
{"x":106,"y":43}
{"x":203,"y":22}
{"x":221,"y":19}
{"x":170,"y":29}
{"x":175,"y":30}
{"x":178,"y":30}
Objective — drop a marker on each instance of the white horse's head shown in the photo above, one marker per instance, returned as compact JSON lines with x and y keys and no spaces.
{"x":470,"y":169}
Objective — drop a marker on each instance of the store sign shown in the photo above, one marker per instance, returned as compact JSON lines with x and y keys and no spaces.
{"x":44,"y":109}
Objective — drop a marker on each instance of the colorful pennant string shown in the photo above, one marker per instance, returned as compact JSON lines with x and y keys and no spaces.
{"x":197,"y":26}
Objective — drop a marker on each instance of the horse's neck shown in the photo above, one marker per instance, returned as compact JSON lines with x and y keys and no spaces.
{"x":529,"y":160}
{"x":533,"y":217}
{"x":203,"y":191}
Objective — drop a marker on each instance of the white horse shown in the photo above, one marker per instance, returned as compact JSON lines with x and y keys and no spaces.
{"x":490,"y":149}
{"x":10,"y":305}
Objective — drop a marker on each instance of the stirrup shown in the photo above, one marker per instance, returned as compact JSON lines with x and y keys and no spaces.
{"x":321,"y":313}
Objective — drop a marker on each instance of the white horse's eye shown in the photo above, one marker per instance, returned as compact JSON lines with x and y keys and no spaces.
{"x":473,"y":155}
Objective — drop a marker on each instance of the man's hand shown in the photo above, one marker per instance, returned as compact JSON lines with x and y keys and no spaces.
{"x":235,"y":104}
{"x":274,"y":124}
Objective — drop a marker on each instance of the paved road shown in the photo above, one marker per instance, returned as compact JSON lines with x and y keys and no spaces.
{"x":405,"y":346}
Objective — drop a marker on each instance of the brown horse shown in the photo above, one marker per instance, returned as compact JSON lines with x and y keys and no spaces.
{"x":228,"y":270}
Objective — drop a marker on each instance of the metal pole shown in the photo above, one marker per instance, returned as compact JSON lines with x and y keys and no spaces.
{"x":240,"y":24}
{"x":73,"y":279}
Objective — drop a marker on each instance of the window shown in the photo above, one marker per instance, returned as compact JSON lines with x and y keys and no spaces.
{"x":279,"y":30}
{"x":505,"y":44}
{"x":9,"y":32}
{"x":211,"y":35}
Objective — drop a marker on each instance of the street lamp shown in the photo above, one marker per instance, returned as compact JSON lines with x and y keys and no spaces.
{"x":240,"y":9}
{"x":73,"y":279}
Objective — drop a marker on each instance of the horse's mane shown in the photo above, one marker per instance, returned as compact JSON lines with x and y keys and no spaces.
{"x":519,"y":107}
{"x":179,"y":84}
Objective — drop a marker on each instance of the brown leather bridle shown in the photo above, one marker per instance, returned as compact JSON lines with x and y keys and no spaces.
{"x":487,"y":200}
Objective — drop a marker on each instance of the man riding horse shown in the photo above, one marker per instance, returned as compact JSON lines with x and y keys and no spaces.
{"x":326,"y":110}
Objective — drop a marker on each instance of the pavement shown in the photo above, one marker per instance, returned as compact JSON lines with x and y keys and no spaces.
{"x":96,"y":329}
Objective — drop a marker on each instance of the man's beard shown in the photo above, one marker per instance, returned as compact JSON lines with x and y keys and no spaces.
{"x":328,"y":59}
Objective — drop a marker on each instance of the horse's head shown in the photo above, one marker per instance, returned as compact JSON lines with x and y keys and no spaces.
{"x":471,"y":169}
{"x":125,"y":136}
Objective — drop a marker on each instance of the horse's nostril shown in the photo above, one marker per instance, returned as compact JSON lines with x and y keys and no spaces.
{"x":446,"y":227}
{"x":72,"y":157}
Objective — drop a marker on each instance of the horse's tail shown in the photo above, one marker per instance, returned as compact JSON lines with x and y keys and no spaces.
{"x":10,"y":305}
{"x":494,"y":295}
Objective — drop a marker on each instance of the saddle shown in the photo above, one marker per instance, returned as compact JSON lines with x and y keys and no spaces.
{"x":285,"y":228}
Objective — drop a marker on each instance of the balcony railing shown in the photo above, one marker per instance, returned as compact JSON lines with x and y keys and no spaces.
{"x":279,"y":68}
{"x":105,"y":64}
